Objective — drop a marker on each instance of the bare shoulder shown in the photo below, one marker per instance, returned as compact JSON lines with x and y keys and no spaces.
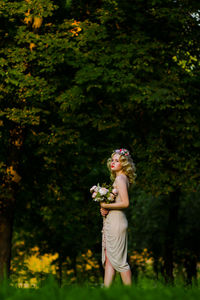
{"x":121,"y":179}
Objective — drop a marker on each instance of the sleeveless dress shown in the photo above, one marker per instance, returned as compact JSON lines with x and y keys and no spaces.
{"x":114,"y":238}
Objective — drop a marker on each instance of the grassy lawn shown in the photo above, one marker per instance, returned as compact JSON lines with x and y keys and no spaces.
{"x":144,"y":290}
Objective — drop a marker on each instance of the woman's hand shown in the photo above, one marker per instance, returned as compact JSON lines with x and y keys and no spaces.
{"x":104,"y":212}
{"x":103,"y":205}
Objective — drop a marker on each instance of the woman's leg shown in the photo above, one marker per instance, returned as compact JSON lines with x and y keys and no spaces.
{"x":109,"y":272}
{"x":126,"y":277}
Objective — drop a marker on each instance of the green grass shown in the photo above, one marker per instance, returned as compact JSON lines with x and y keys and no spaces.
{"x":144,"y":290}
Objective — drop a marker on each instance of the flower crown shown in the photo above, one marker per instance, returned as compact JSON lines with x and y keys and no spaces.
{"x":122,"y":151}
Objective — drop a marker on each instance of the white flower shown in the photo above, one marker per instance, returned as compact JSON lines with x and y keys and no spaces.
{"x":103,"y":191}
{"x":111,"y":199}
{"x":98,"y":199}
{"x":111,"y":196}
{"x":117,"y":151}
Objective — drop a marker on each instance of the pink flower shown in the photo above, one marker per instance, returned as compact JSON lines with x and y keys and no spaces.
{"x":115,"y":191}
{"x":94,"y":188}
{"x":94,"y":194}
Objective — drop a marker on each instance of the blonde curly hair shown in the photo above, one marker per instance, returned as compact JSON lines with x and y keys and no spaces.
{"x":127,"y":164}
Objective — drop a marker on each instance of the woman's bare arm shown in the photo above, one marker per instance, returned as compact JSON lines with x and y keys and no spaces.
{"x":123,"y":193}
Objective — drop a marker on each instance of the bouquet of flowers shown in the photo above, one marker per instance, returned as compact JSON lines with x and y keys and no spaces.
{"x":103,"y":194}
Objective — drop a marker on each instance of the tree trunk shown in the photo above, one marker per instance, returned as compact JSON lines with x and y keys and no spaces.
{"x":60,"y":270}
{"x":73,"y":263}
{"x":156,"y":266}
{"x":6,"y":229}
{"x":191,"y":269}
{"x":9,"y":186}
{"x":170,"y":237}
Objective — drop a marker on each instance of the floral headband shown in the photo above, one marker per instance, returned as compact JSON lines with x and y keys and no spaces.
{"x":122,"y":152}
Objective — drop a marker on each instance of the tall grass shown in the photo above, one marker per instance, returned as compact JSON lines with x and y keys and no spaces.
{"x":144,"y":290}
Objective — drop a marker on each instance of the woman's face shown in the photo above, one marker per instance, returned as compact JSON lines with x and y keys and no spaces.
{"x":115,"y":164}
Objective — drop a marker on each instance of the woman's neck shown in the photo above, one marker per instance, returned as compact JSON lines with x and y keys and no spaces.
{"x":119,"y":173}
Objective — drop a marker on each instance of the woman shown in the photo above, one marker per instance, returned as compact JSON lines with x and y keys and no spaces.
{"x":114,"y":237}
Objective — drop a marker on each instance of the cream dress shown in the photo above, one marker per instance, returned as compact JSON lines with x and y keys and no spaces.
{"x":114,"y":237}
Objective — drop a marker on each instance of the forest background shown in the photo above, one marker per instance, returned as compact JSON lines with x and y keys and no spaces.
{"x":78,"y":80}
